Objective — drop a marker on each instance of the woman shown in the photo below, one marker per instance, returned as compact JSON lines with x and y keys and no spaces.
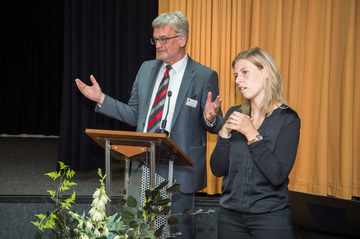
{"x":255,"y":153}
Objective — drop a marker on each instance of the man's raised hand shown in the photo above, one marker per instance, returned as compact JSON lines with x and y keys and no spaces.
{"x":93,"y":92}
{"x":212,"y":107}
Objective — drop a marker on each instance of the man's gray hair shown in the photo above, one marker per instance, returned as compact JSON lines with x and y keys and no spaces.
{"x":175,"y":19}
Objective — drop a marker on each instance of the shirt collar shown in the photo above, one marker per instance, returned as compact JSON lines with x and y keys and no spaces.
{"x":178,"y":65}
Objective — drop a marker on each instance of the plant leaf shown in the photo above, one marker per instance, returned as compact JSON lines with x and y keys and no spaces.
{"x":148,"y":205}
{"x":71,"y":199}
{"x":154,"y":194}
{"x":111,"y":220}
{"x":162,"y":185}
{"x":41,"y":216}
{"x":147,"y":194}
{"x":159,"y":231}
{"x":62,"y":165}
{"x":133,"y":224}
{"x":51,"y":192}
{"x":187,"y":211}
{"x":131,"y":202}
{"x":173,"y":188}
{"x":119,"y":226}
{"x":162,"y":202}
{"x":143,"y":229}
{"x":122,"y":202}
{"x":172,"y":221}
{"x":127,"y":215}
{"x":139,"y":214}
{"x":53,"y":175}
{"x":70,"y":173}
{"x":165,"y":211}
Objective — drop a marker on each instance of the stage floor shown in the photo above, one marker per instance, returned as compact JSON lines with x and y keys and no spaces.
{"x":25,"y":160}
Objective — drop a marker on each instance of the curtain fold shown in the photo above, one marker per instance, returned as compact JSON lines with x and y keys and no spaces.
{"x":106,"y":39}
{"x":316,"y":47}
{"x":31,"y":63}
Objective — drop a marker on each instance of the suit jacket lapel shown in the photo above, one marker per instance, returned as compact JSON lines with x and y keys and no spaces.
{"x":152,"y":79}
{"x":185,"y":84}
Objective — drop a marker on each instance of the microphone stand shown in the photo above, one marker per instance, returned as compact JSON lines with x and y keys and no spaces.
{"x":162,"y":130}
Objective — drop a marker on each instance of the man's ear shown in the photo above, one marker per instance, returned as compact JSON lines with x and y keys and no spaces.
{"x":182,"y":40}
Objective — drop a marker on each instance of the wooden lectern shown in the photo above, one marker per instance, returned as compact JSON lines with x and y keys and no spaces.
{"x":128,"y":144}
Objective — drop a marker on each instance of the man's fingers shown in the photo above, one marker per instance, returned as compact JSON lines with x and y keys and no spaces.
{"x":81,"y":85}
{"x":209,"y":97}
{"x":93,"y":80}
{"x":78,"y":81}
{"x":218,"y":100}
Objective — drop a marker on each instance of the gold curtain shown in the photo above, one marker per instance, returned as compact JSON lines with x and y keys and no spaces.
{"x":316,"y":45}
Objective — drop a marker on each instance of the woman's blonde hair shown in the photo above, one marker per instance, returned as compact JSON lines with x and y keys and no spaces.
{"x":273,"y":83}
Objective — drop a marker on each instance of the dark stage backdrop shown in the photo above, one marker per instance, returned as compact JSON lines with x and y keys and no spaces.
{"x":109,"y":39}
{"x":45,"y":45}
{"x":31,"y":66}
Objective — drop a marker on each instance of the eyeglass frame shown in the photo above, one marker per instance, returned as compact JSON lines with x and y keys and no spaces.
{"x":162,"y":40}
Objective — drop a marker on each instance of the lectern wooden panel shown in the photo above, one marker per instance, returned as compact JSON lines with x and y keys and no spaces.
{"x":166,"y":149}
{"x":128,"y":144}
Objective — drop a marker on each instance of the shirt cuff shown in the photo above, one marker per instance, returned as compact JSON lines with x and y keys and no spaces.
{"x":224,"y":137}
{"x":208,"y":123}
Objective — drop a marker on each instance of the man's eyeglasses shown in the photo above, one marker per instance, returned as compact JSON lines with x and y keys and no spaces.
{"x":162,"y":40}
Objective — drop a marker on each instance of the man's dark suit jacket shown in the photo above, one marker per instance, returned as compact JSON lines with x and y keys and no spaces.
{"x":188,"y":129}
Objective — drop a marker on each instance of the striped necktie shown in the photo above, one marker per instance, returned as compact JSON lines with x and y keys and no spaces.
{"x":159,"y":102}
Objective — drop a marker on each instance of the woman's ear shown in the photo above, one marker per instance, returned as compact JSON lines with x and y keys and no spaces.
{"x":265,"y":73}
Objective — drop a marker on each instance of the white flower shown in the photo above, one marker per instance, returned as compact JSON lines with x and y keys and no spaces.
{"x":95,"y":202}
{"x":81,"y":223}
{"x":100,"y":205}
{"x":97,"y":233}
{"x":89,"y":226}
{"x":106,"y":231}
{"x":98,"y":216}
{"x":84,"y":236}
{"x":92,"y":211}
{"x":97,"y":193}
{"x":104,"y":198}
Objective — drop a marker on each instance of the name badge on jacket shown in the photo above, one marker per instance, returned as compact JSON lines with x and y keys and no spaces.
{"x":191,"y":102}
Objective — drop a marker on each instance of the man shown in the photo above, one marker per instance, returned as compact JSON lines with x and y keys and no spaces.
{"x":194,"y":107}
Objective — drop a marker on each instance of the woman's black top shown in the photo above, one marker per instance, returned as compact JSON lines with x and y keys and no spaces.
{"x":256,"y":175}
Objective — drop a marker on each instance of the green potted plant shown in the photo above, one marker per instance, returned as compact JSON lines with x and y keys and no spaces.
{"x":134,"y":221}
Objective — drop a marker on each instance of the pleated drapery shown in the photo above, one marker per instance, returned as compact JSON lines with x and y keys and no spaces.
{"x":316,"y":46}
{"x":105,"y":39}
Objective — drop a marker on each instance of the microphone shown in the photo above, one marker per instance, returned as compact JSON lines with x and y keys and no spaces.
{"x":163,"y":123}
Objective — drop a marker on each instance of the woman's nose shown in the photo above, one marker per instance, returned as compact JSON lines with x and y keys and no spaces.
{"x":238,"y":79}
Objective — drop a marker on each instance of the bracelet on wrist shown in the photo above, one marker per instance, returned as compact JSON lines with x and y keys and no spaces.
{"x":256,"y":139}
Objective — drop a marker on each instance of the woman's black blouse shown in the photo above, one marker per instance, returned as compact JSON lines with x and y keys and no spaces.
{"x":256,"y":175}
